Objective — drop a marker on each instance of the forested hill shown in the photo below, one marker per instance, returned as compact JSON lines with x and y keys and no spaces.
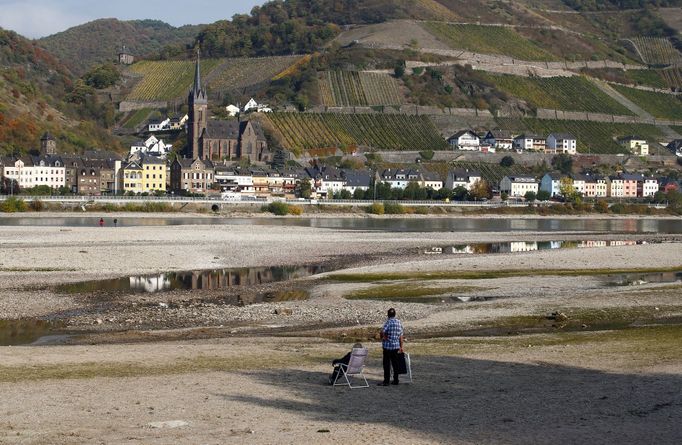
{"x":37,"y":94}
{"x":303,"y":26}
{"x":99,"y":41}
{"x":594,"y":5}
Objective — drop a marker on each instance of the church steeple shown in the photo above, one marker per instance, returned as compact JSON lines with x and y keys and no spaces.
{"x":197,"y":101}
{"x":197,"y":92}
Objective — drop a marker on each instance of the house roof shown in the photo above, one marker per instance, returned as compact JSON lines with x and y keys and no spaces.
{"x":555,"y":176}
{"x":430,"y":176}
{"x":256,"y":128}
{"x":522,"y":178}
{"x":529,"y":136}
{"x":500,"y":134}
{"x":357,"y":178}
{"x":462,"y":133}
{"x":632,"y":177}
{"x":460,"y":174}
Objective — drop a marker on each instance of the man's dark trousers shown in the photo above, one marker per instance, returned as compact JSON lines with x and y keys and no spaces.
{"x":390,"y":361}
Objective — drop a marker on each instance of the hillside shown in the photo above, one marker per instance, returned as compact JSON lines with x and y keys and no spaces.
{"x":38,"y":94}
{"x":77,"y":48}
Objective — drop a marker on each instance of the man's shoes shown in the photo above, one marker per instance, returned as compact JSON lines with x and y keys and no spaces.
{"x":395,"y":383}
{"x":382,"y":384}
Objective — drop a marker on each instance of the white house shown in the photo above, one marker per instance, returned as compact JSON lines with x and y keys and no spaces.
{"x":152,"y":147}
{"x":518,"y":186}
{"x":234,"y":180}
{"x":500,"y":139}
{"x":551,"y":183}
{"x":579,"y":182}
{"x":562,"y":143}
{"x":399,"y":178}
{"x":462,"y":178}
{"x":465,"y":140}
{"x":253,"y":106}
{"x":232,"y":110}
{"x":49,"y":171}
{"x":178,"y":122}
{"x":530,"y":142}
{"x":648,"y":187}
{"x":20,"y":170}
{"x":430,"y":180}
{"x":157,"y":125}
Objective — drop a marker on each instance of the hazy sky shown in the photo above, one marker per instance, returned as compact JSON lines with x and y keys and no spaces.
{"x":38,"y":18}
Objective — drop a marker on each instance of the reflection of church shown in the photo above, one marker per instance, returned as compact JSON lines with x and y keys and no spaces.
{"x":220,"y":140}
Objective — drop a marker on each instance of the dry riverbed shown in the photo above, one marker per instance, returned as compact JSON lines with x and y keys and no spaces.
{"x":551,"y":352}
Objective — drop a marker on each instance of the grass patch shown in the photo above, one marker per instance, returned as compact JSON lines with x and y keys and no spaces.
{"x":90,"y":370}
{"x":405,"y":290}
{"x":488,"y":274}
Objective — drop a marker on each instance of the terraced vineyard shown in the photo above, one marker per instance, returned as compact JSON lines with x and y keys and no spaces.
{"x":352,"y":88}
{"x":236,"y":74}
{"x":488,"y":40}
{"x":493,"y":173}
{"x":673,"y":77}
{"x":657,"y":50}
{"x":561,"y":93}
{"x":166,"y":80}
{"x":304,"y":131}
{"x":593,"y":137}
{"x":661,"y":105}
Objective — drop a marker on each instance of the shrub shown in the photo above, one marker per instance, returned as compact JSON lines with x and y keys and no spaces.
{"x":507,"y":161}
{"x":391,"y":208}
{"x":12,"y":205}
{"x":421,"y":210}
{"x":618,"y":208}
{"x":296,"y":210}
{"x":426,"y":155}
{"x":543,"y":195}
{"x":278,"y":208}
{"x":36,"y":205}
{"x":376,"y":208}
{"x":601,"y":206}
{"x":530,"y":196}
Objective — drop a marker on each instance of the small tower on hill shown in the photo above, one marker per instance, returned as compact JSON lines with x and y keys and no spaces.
{"x":198,"y":112}
{"x":48,"y":144}
{"x":124,"y":57}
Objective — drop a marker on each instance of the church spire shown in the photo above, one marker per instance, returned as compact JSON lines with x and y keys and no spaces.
{"x":197,"y":75}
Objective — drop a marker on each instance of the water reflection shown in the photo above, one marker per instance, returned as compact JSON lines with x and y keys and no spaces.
{"x":622,"y":225}
{"x":196,"y":280}
{"x":526,"y":246}
{"x":22,"y":332}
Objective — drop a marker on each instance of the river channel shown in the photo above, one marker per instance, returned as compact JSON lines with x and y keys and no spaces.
{"x":440,"y":224}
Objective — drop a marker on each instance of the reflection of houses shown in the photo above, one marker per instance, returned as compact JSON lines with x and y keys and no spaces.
{"x":150,"y":283}
{"x":522,"y":246}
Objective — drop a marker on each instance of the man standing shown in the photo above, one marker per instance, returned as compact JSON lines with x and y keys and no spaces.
{"x":392,"y":343}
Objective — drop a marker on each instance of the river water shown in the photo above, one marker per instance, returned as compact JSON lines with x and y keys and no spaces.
{"x":606,"y":225}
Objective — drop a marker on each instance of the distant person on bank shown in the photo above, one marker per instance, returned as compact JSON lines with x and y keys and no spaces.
{"x":336,"y":363}
{"x":392,"y":343}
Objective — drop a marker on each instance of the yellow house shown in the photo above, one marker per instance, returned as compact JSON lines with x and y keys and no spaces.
{"x":132,"y":178}
{"x":635,"y":145}
{"x":153,"y":174}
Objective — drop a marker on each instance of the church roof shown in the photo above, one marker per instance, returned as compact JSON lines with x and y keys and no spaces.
{"x":218,"y":129}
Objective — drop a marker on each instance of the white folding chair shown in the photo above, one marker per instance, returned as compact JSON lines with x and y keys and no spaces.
{"x":354,"y":368}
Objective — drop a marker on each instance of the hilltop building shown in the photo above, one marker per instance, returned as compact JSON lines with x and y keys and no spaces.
{"x":124,"y":57}
{"x":218,"y":140}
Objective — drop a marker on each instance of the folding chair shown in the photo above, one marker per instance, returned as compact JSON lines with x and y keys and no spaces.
{"x":354,"y":368}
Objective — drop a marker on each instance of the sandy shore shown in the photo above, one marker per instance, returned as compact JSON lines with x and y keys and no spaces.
{"x":221,"y":373}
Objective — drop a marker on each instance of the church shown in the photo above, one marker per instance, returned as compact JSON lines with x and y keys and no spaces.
{"x":218,"y":140}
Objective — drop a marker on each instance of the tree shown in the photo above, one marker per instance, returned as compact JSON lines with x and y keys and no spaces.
{"x":460,"y":193}
{"x":399,"y":69}
{"x":481,"y":190}
{"x":563,"y":163}
{"x":507,"y":161}
{"x":9,"y":186}
{"x":359,"y":194}
{"x":567,"y":189}
{"x":543,"y":195}
{"x":305,"y":190}
{"x":530,"y":196}
{"x":102,"y":76}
